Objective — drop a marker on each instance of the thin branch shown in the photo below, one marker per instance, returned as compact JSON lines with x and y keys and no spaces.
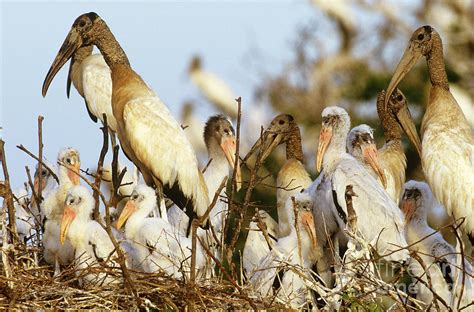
{"x":8,"y":195}
{"x":40,"y":159}
{"x":100,"y":165}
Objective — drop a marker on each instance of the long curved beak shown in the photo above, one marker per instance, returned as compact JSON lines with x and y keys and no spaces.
{"x":308,"y":222}
{"x":371,"y":156}
{"x":73,"y":174}
{"x":228,"y":147}
{"x":270,"y":141}
{"x":68,"y":217}
{"x":70,"y":44}
{"x":324,"y":139}
{"x":408,"y":206}
{"x":408,"y":60}
{"x":405,"y":120}
{"x":128,"y":210}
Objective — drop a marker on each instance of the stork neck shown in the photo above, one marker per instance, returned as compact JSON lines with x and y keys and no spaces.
{"x":389,"y":124}
{"x":217,"y":170}
{"x":336,"y":148}
{"x":133,"y":222}
{"x":109,"y":46}
{"x":435,"y":62}
{"x":294,"y":150}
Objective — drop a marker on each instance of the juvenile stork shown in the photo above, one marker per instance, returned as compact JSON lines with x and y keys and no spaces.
{"x":436,"y":257}
{"x":361,"y":143}
{"x":90,"y":75}
{"x":447,"y":153}
{"x":372,"y":202}
{"x":148,"y":133}
{"x":90,"y":240}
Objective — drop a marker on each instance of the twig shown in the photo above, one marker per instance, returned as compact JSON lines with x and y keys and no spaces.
{"x":100,"y":164}
{"x":24,"y":149}
{"x":40,"y":158}
{"x":8,"y":195}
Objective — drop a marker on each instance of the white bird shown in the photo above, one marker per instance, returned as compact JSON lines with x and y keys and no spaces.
{"x":219,"y":136}
{"x":437,"y":258}
{"x":48,"y":184}
{"x":158,"y":247}
{"x":372,"y":202}
{"x":53,"y":207}
{"x":90,"y":76}
{"x":149,"y":135}
{"x":447,"y":155}
{"x":213,"y":88}
{"x":25,"y":221}
{"x":95,"y":252}
{"x":194,"y":128}
{"x":293,"y":255}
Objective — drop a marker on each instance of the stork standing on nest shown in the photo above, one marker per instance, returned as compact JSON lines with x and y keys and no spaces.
{"x":148,"y":133}
{"x":447,"y":149}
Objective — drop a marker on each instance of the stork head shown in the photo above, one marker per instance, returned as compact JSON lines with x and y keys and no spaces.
{"x":142,"y":201}
{"x":219,"y":136}
{"x":361,"y":144}
{"x":420,"y":44}
{"x":417,"y":199}
{"x":304,"y":207}
{"x":278,"y":132}
{"x":46,"y":177}
{"x":70,"y":162}
{"x":398,"y":107}
{"x":78,"y":205}
{"x":82,"y":33}
{"x":335,"y":123}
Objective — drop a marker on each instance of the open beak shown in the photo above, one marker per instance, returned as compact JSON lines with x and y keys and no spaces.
{"x":128,"y":210}
{"x":371,"y":156}
{"x":405,"y":120}
{"x":73,"y":174}
{"x":308,"y":222}
{"x":228,"y":147}
{"x":408,"y":60}
{"x":324,"y":139}
{"x":270,"y":141}
{"x":408,"y":207}
{"x":68,"y":217}
{"x":70,"y":44}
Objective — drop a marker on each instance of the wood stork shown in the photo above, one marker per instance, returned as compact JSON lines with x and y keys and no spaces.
{"x":148,"y":133}
{"x":90,"y":75}
{"x":48,"y":183}
{"x":213,"y":88}
{"x":93,"y":246}
{"x":447,"y":153}
{"x":157,"y":244}
{"x":436,"y":257}
{"x":293,"y":254}
{"x":53,"y":207}
{"x":25,"y":221}
{"x":219,"y":137}
{"x":372,"y":202}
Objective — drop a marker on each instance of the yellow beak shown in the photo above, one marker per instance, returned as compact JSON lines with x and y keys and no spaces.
{"x":308,"y":222}
{"x":128,"y":210}
{"x":371,"y":156}
{"x":324,"y":139}
{"x":68,"y":217}
{"x":228,"y":147}
{"x":408,"y":206}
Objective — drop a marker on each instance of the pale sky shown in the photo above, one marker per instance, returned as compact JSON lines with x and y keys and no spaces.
{"x":159,"y":39}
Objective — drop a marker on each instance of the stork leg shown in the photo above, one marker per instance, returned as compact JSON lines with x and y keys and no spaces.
{"x":113,"y":138}
{"x":160,"y":209}
{"x":57,"y":269}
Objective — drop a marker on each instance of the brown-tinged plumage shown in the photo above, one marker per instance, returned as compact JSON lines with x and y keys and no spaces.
{"x":148,"y":133}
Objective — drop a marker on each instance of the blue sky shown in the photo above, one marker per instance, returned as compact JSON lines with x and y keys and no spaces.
{"x":159,"y":39}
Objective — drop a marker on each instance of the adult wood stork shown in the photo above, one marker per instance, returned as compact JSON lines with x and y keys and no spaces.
{"x":90,"y":75}
{"x":148,"y":133}
{"x":437,"y":259}
{"x":53,"y":207}
{"x":213,"y":88}
{"x":372,"y":202}
{"x":219,"y":137}
{"x":293,"y":254}
{"x":157,"y":244}
{"x":95,"y":252}
{"x":447,"y":153}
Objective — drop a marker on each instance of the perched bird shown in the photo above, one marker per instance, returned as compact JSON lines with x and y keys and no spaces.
{"x":219,"y":136}
{"x":391,"y":156}
{"x":53,"y":207}
{"x":293,"y":254}
{"x":148,"y":133}
{"x":90,"y":75}
{"x":372,"y":202}
{"x":25,"y":221}
{"x":47,"y":184}
{"x":447,"y":149}
{"x":213,"y":88}
{"x":90,"y":240}
{"x":435,"y":257}
{"x":157,"y":245}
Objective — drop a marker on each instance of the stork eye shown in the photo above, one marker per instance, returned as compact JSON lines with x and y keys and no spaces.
{"x":421,"y":36}
{"x":44,"y":173}
{"x":227,"y":131}
{"x":82,"y":23}
{"x":399,"y":97}
{"x":281,"y":122}
{"x":135,"y":196}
